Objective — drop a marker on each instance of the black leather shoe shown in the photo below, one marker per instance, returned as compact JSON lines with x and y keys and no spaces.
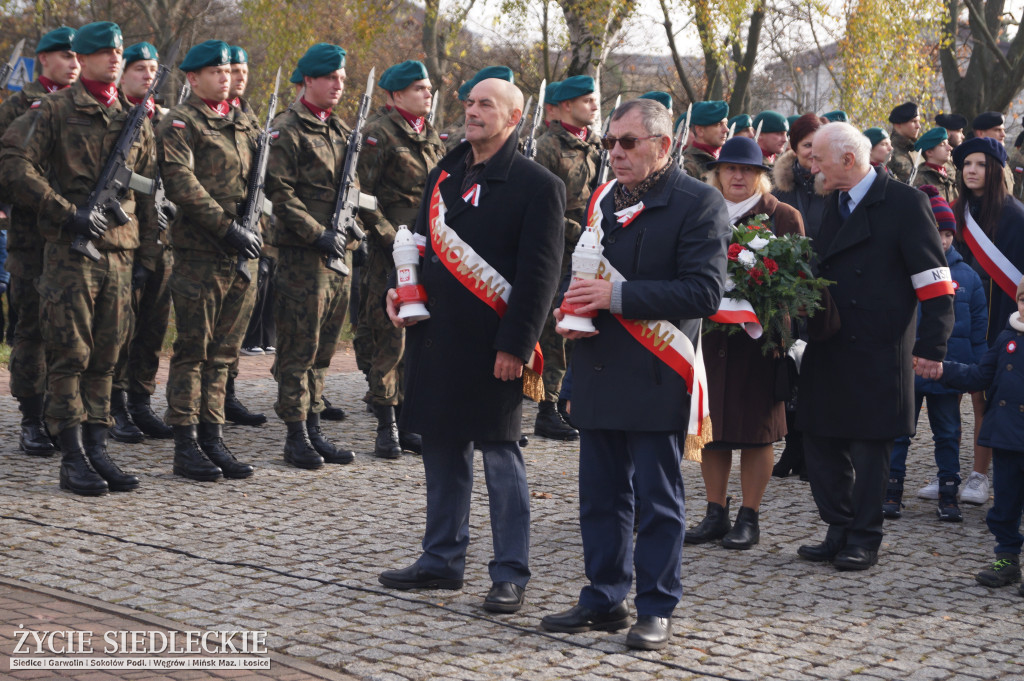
{"x":323,"y":446}
{"x":855,"y":558}
{"x":211,"y":441}
{"x":386,"y":446}
{"x":649,"y":633}
{"x":124,"y":429}
{"x":523,"y":441}
{"x":145,"y":418}
{"x":415,"y":577}
{"x":76,"y":475}
{"x":821,"y":553}
{"x":745,"y":531}
{"x":33,"y":439}
{"x":236,"y":412}
{"x":577,"y":619}
{"x":713,"y":527}
{"x":332,"y":413}
{"x":94,"y":440}
{"x":189,"y":460}
{"x":298,"y":450}
{"x":505,"y":597}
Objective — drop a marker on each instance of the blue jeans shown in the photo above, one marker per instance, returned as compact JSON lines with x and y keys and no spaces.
{"x":944,"y":416}
{"x":1004,"y":517}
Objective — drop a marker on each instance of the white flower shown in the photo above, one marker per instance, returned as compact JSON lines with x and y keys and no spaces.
{"x":757,"y":243}
{"x":729,"y":284}
{"x":746,"y":258}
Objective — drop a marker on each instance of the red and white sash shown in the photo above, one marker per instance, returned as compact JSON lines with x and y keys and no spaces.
{"x":469,"y":268}
{"x":1003,"y":272}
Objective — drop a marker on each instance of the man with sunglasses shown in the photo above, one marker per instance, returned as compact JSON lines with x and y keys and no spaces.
{"x":709,"y":126}
{"x":664,"y":238}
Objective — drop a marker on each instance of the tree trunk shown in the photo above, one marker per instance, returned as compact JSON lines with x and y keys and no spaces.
{"x":739,"y":102}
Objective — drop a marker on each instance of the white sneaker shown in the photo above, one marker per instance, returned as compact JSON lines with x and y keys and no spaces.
{"x":976,"y":490}
{"x":929,"y":491}
{"x":251,"y":351}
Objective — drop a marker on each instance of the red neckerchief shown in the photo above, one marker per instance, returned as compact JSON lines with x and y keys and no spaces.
{"x":581,"y":133}
{"x":941,"y":170}
{"x":417,"y":122}
{"x":105,"y":93}
{"x":768,"y":158}
{"x":49,"y":85}
{"x":150,"y":104}
{"x":221,"y":108}
{"x":322,"y":114}
{"x":714,"y":151}
{"x":237,"y":102}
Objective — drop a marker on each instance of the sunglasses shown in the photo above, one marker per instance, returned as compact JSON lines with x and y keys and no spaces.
{"x":626,"y":142}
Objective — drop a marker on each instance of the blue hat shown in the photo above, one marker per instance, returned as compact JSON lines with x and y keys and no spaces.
{"x":551,"y":93}
{"x":99,"y":35}
{"x":876,"y":135}
{"x":140,"y":52}
{"x":837,"y":116}
{"x":296,"y":77}
{"x":401,"y":76}
{"x":239,"y":55}
{"x":905,"y":112}
{"x":987,"y":120}
{"x":659,"y":96}
{"x":771,"y":121}
{"x":741,"y":151}
{"x":709,"y":113}
{"x":571,"y":88}
{"x":321,"y":59}
{"x":57,"y":39}
{"x":931,"y":139}
{"x":985,"y":145}
{"x":207,"y":53}
{"x":741,"y":122}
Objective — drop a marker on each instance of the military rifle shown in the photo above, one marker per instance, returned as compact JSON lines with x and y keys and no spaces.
{"x":350,"y":199}
{"x":433,"y":108}
{"x":251,"y":210}
{"x":117,"y":178}
{"x":160,"y":200}
{"x":602,"y":169}
{"x":917,"y":158}
{"x":522,"y":121}
{"x":530,"y":146}
{"x":757,"y":133}
{"x":732,"y":132}
{"x":7,"y":70}
{"x":679,"y":144}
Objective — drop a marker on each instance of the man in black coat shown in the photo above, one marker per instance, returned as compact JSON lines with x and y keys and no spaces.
{"x":879,"y":244}
{"x":494,"y":230}
{"x":664,"y":237}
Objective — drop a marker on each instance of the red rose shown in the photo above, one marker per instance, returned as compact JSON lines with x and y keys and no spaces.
{"x":801,"y":274}
{"x":771,"y":266}
{"x":757,"y":275}
{"x":734,"y":251}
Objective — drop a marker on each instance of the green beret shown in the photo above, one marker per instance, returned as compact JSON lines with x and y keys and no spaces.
{"x":140,"y":52}
{"x":741,"y":122}
{"x":57,"y":39}
{"x":876,"y":135}
{"x":239,"y":55}
{"x":659,"y":96}
{"x":99,"y":35}
{"x":499,"y":72}
{"x":571,"y":88}
{"x":792,"y":119}
{"x":207,"y":53}
{"x":321,"y":59}
{"x":464,"y":90}
{"x":296,"y":77}
{"x":931,"y":139}
{"x":551,"y":93}
{"x":837,"y":116}
{"x":771,"y":121}
{"x":709,"y":113}
{"x":401,"y":76}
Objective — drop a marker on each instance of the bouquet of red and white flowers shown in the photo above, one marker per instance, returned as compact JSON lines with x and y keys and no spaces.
{"x":773,"y":274}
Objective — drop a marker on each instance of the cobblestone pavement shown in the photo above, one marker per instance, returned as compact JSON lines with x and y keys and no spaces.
{"x":297,"y":553}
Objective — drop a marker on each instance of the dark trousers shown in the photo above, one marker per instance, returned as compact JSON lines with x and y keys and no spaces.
{"x":848,"y":480}
{"x":448,"y":465}
{"x":616,"y":467}
{"x":1004,"y":517}
{"x":944,"y":417}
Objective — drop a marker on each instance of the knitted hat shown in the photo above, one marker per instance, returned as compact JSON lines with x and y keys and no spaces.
{"x":943,"y":213}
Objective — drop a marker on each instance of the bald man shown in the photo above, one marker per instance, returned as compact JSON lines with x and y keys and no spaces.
{"x":492,"y":222}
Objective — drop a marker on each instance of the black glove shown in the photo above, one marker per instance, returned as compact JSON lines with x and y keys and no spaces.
{"x":361,"y":254}
{"x":165,"y":214}
{"x":88,"y":223}
{"x":263,"y":269}
{"x":140,"y":275}
{"x":242,"y":240}
{"x":331,"y":242}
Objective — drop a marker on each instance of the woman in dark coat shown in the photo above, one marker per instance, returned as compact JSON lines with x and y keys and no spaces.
{"x":745,"y":414}
{"x":794,"y":183}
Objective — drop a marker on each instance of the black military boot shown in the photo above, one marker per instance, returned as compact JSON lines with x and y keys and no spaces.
{"x":145,"y":418}
{"x":34,"y":440}
{"x":236,"y":412}
{"x":714,"y":526}
{"x":549,"y":424}
{"x":745,"y":531}
{"x":387,"y":445}
{"x":330,"y":412}
{"x":124,"y":429}
{"x":948,"y":509}
{"x":189,"y":460}
{"x":211,"y":441}
{"x":94,"y":437}
{"x":76,"y":475}
{"x":323,"y":446}
{"x":563,"y":411}
{"x":298,"y":450}
{"x":409,"y":441}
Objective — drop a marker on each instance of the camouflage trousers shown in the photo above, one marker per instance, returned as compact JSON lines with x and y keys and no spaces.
{"x":28,"y":354}
{"x":310,"y":304}
{"x":362,"y":340}
{"x":84,"y":317}
{"x":139,"y":358}
{"x":557,"y":352}
{"x":212,"y":305}
{"x":385,"y":375}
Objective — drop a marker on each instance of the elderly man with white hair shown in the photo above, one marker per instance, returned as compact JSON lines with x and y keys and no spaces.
{"x":880,"y":246}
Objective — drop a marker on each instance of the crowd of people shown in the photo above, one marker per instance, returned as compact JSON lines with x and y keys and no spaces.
{"x":921,"y":236}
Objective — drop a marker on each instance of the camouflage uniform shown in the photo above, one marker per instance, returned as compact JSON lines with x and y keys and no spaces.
{"x":695,"y":163}
{"x":393,"y":166}
{"x":576,"y":163}
{"x":204,"y":162}
{"x":84,"y":305}
{"x":453,"y":135}
{"x":1016,"y":165}
{"x":306,"y":162}
{"x":901,"y":164}
{"x":943,"y":181}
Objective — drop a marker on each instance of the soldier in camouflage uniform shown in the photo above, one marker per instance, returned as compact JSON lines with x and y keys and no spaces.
{"x":84,"y":308}
{"x":27,"y":362}
{"x":992,"y":124}
{"x":906,"y":126}
{"x":570,"y":150}
{"x":401,"y":149}
{"x":306,"y":163}
{"x":205,"y":147}
{"x":1016,"y":165}
{"x":774,"y":135}
{"x":709,"y":126}
{"x":934,"y":145}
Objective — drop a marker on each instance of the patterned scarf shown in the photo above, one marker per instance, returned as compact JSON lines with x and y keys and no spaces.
{"x":803,"y":178}
{"x":624,"y":198}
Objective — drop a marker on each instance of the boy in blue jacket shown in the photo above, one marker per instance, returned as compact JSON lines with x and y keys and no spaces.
{"x":966,"y":344}
{"x":1001,"y":372}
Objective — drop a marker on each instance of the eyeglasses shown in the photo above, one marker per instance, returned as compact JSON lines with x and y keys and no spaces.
{"x":626,"y":142}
